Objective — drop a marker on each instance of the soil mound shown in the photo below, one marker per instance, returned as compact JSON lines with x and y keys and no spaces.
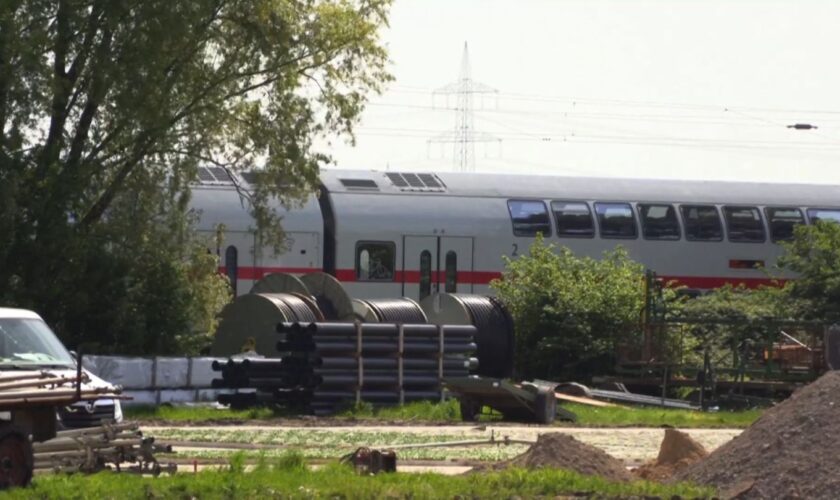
{"x":790,"y":452}
{"x":561,"y":451}
{"x":677,"y":451}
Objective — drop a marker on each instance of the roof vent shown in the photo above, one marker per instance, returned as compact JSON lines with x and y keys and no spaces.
{"x":360,"y":184}
{"x":416,"y":182}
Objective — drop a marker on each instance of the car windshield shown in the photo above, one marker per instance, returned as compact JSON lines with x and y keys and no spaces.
{"x":29,"y":342}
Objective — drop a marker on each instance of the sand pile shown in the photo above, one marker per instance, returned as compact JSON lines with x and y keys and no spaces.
{"x":677,"y":451}
{"x":792,"y":451}
{"x":561,"y":451}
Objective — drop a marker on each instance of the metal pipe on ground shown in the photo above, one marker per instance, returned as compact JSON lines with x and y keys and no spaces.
{"x":380,"y":347}
{"x":376,"y":329}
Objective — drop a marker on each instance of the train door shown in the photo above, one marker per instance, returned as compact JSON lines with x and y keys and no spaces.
{"x":236,"y":258}
{"x":436,"y":264}
{"x":456,"y":265}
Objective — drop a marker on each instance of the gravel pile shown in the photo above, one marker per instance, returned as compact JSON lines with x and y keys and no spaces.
{"x":792,"y":451}
{"x":561,"y":451}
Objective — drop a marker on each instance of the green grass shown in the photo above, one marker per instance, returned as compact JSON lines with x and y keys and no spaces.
{"x":194,"y":413}
{"x":448,"y":411}
{"x":421,"y":411}
{"x":656,"y":417}
{"x":288,"y":477}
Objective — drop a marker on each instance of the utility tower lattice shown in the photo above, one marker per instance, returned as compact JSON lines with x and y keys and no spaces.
{"x":464,"y":136}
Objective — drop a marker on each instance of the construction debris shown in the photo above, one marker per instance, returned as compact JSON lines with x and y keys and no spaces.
{"x":371,"y":461}
{"x":790,"y":452}
{"x":108,"y":447}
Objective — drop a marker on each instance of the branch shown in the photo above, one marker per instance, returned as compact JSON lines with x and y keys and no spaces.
{"x":98,"y":89}
{"x":60,"y":91}
{"x":101,"y":205}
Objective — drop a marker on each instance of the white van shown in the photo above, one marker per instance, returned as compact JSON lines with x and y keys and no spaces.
{"x":28,"y":344}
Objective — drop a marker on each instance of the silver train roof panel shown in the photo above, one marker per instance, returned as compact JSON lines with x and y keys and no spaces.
{"x":593,"y":188}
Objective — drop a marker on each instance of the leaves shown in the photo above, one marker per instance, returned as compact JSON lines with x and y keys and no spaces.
{"x":570,"y":312}
{"x":108,"y":108}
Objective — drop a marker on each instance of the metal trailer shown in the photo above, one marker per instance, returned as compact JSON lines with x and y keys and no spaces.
{"x":30,"y":402}
{"x":521,"y":402}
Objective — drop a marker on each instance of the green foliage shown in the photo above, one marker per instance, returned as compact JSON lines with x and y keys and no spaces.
{"x":106,"y":111}
{"x":814,"y":254}
{"x":592,"y":416}
{"x":729,"y":321}
{"x":570,"y":312}
{"x":193,"y":413}
{"x":338,"y":481}
{"x":416,"y":411}
{"x":447,"y":411}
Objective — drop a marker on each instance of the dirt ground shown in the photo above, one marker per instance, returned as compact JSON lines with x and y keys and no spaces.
{"x":634,"y":446}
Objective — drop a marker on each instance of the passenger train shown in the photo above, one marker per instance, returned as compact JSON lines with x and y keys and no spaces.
{"x":392,"y":234}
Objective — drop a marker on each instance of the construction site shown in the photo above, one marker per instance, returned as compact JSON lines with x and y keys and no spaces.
{"x":395,"y":387}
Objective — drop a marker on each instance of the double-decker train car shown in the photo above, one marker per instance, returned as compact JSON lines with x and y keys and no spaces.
{"x":391,"y":234}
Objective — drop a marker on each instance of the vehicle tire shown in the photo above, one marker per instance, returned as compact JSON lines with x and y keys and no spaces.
{"x":470,"y":409}
{"x":16,"y":460}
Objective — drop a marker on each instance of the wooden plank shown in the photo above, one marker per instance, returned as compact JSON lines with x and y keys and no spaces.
{"x":584,"y":400}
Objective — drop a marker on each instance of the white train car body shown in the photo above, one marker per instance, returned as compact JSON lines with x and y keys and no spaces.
{"x":387,"y":234}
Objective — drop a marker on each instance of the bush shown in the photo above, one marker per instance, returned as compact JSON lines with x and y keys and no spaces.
{"x":570,"y":312}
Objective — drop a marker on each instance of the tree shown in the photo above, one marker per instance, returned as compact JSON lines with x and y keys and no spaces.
{"x":107,"y":109}
{"x":570,"y":312}
{"x":814,"y":255}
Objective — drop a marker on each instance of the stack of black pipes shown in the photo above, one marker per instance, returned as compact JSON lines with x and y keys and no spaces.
{"x":327,"y":366}
{"x":264,"y":380}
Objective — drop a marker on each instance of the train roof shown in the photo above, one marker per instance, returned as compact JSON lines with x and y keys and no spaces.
{"x":573,"y":188}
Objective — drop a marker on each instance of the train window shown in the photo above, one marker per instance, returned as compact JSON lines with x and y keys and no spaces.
{"x":573,"y":219}
{"x":827,"y":214}
{"x":529,"y":218}
{"x":782,"y":222}
{"x":616,"y":220}
{"x":702,"y":223}
{"x":425,"y":274}
{"x":232,"y":266}
{"x":743,"y":224}
{"x":659,"y":222}
{"x":375,"y":261}
{"x":451,"y":272}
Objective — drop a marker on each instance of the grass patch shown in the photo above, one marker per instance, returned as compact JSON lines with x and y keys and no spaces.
{"x":448,"y":411}
{"x":593,"y":416}
{"x":421,"y":411}
{"x":195,"y":413}
{"x":288,"y":477}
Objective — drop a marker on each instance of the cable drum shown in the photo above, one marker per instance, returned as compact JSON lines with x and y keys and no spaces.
{"x":304,"y":307}
{"x":249,"y":323}
{"x":402,"y":310}
{"x":495,"y":337}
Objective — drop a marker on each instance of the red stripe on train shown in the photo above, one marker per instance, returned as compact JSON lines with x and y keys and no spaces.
{"x":485,"y":277}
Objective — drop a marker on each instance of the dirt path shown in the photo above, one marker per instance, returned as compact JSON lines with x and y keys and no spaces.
{"x":632,"y":445}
